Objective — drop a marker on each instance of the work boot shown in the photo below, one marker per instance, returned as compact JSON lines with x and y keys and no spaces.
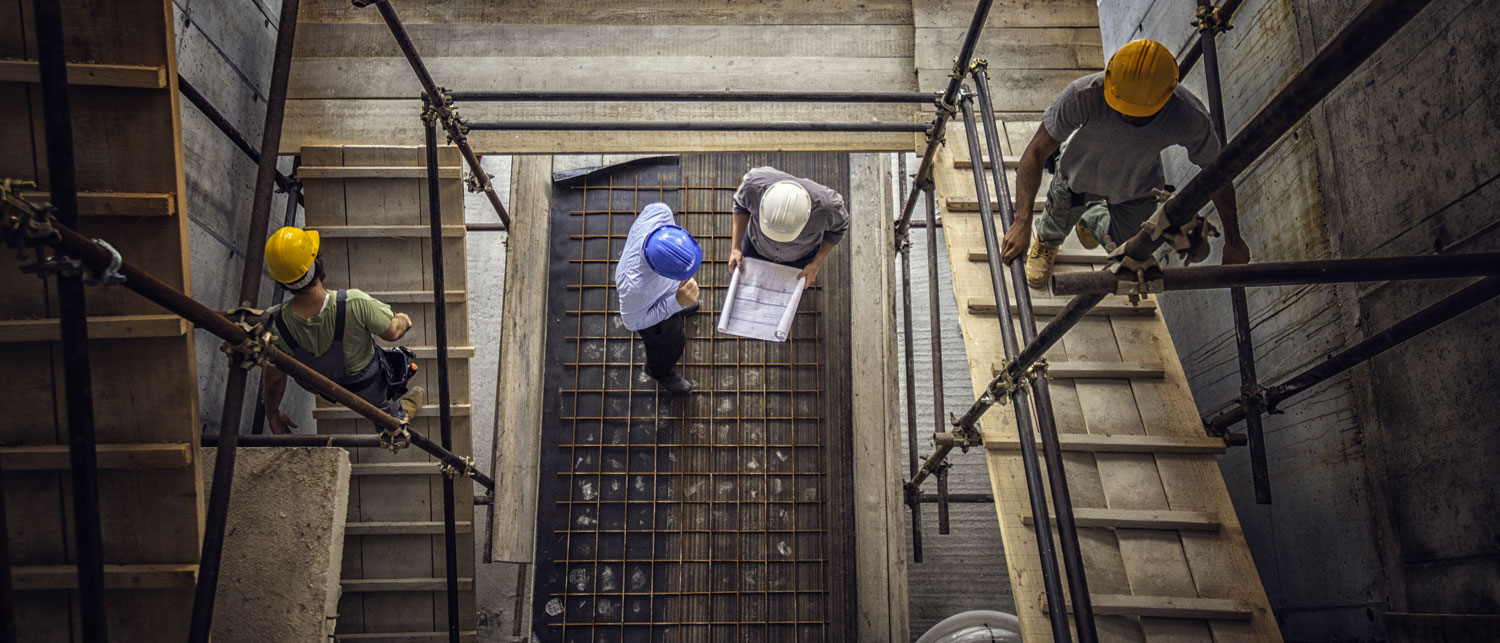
{"x":1086,"y":237}
{"x":412,"y":401}
{"x":675,"y":383}
{"x":1039,"y":263}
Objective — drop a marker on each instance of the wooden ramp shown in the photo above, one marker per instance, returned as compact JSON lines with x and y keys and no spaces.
{"x":127,"y":141}
{"x":370,"y":206}
{"x":1165,"y":556}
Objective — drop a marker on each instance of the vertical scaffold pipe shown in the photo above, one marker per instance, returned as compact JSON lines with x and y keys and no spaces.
{"x":217,"y":515}
{"x":904,"y":246}
{"x":1035,"y":490}
{"x":445,"y":412}
{"x":72,"y":311}
{"x":1239,"y":304}
{"x":1062,"y":500}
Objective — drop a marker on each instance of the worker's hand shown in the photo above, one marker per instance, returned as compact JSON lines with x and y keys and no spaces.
{"x":810,"y":273}
{"x":687,"y":293}
{"x":281,"y":423}
{"x":1235,"y":251}
{"x":735,"y":258}
{"x":1017,"y":238}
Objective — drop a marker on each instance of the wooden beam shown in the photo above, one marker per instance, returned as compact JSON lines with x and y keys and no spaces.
{"x":402,"y":584}
{"x":1011,"y":162}
{"x":1139,"y":519}
{"x":402,"y":528}
{"x":341,"y":413}
{"x":1073,"y":370}
{"x":42,"y":577}
{"x":1065,"y":255}
{"x":1053,"y":306}
{"x":394,"y":469}
{"x":119,"y":327}
{"x":1106,"y":443}
{"x":54,"y":457}
{"x":971,"y":204}
{"x":415,"y":296}
{"x":384,"y":231}
{"x":129,"y":76}
{"x":454,"y":352}
{"x":1227,"y":609}
{"x":121,"y":204}
{"x":376,"y":172}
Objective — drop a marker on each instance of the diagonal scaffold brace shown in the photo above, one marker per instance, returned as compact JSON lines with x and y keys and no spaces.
{"x":441,"y":104}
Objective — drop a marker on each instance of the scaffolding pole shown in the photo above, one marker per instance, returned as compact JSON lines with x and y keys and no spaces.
{"x":293,"y":198}
{"x":903,"y":246}
{"x":228,"y":129}
{"x":1220,"y":16}
{"x":1292,"y":273}
{"x":1449,"y":307}
{"x":442,"y":104}
{"x":445,"y":409}
{"x":73,"y":322}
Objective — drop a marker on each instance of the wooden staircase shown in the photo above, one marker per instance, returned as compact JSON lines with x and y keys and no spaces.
{"x":370,"y":206}
{"x":1164,"y":552}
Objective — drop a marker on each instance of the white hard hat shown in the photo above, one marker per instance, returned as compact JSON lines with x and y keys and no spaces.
{"x":784,"y":210}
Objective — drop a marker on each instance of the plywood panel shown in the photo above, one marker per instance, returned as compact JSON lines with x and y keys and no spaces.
{"x":684,"y":12}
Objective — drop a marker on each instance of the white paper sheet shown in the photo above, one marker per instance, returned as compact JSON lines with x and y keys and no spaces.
{"x":762,"y":301}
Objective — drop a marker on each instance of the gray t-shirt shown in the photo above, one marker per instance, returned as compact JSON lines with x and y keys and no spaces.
{"x":1104,"y":155}
{"x":827,"y":222}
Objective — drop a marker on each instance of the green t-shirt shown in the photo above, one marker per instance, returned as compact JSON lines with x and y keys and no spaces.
{"x":364,"y":316}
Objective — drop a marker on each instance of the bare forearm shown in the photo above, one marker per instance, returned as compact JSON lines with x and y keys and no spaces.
{"x":273,"y":388}
{"x":741,"y":221}
{"x":1224,"y":201}
{"x":823,"y":251}
{"x":1028,"y":181}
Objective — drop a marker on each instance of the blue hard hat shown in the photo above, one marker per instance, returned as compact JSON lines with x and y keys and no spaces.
{"x":673,"y":252}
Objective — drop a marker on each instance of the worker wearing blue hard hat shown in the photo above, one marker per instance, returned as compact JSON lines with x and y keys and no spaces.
{"x":654,"y":280}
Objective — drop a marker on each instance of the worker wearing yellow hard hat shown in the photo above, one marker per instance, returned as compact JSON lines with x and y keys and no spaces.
{"x":1102,"y":139}
{"x":334,"y":333}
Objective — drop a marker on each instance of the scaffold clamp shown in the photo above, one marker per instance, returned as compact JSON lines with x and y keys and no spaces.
{"x":251,"y":352}
{"x":396,"y":439}
{"x":450,"y":471}
{"x":1211,"y":19}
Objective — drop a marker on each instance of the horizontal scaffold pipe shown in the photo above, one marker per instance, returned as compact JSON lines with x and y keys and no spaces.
{"x":97,"y":258}
{"x":685,"y":126}
{"x":1292,"y":273}
{"x":691,"y":97}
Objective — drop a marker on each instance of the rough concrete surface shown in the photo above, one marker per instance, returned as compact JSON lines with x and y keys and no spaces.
{"x":283,"y":545}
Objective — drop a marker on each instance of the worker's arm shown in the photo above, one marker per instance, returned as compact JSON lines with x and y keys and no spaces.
{"x":741,"y":221}
{"x":1235,"y":249}
{"x":1028,"y":181}
{"x":273,"y":388}
{"x":810,"y":273}
{"x":400,"y":323}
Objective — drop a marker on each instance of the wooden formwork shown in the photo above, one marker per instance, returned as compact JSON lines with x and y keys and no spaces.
{"x":370,"y":206}
{"x":123,"y":96}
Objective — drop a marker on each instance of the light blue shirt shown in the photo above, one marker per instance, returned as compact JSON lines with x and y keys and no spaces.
{"x":646,"y":298}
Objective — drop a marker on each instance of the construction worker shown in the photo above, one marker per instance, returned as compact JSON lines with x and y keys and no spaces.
{"x":654,"y":280}
{"x":331,"y":332}
{"x":1116,"y":124}
{"x":791,"y":221}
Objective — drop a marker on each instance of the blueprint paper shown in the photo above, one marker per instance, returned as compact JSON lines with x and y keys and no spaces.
{"x":762,"y":301}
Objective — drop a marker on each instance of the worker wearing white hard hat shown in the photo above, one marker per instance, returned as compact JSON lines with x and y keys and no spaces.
{"x":787,"y":220}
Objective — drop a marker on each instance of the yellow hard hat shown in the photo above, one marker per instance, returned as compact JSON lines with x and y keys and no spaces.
{"x":290,"y":253}
{"x":1140,"y":78}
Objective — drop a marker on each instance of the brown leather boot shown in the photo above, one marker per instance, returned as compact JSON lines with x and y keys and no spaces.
{"x":1039,"y":263}
{"x":1086,"y":237}
{"x":412,"y":401}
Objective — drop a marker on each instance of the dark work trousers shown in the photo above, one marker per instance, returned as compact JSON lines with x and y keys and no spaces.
{"x":748,"y":249}
{"x":664,"y":343}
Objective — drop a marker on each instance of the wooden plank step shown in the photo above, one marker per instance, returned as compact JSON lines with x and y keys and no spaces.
{"x":1107,"y":370}
{"x":1011,"y":162}
{"x":395,"y":469}
{"x":971,"y":204}
{"x":1139,"y":519}
{"x":1065,"y":255}
{"x":341,"y":413}
{"x":376,"y":172}
{"x":1051,"y":306}
{"x":129,"y":76}
{"x":1106,"y":443}
{"x":402,"y":584}
{"x":119,"y":327}
{"x":454,"y":352}
{"x":402,"y":528}
{"x":54,"y":457}
{"x":1220,"y":609}
{"x":40,"y":577}
{"x":117,"y":204}
{"x":415,"y":296}
{"x":387,"y":231}
{"x":407,"y":637}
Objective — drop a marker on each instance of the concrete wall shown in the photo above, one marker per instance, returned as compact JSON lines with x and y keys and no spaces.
{"x":1382,"y":478}
{"x":225,"y":50}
